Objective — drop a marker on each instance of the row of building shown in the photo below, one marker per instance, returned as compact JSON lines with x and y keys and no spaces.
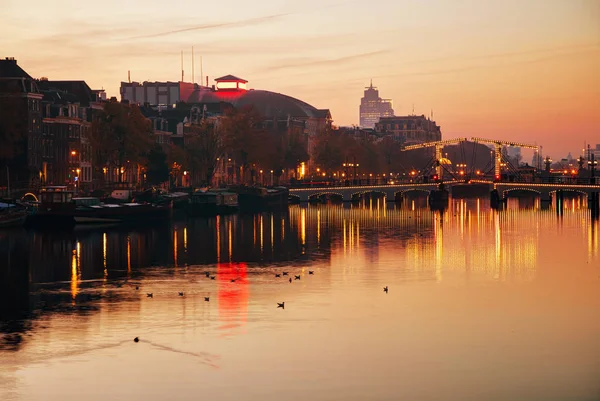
{"x":59,"y":115}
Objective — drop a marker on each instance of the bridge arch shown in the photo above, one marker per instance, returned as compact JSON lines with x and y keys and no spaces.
{"x":361,"y":194}
{"x":507,"y":192}
{"x":570,"y":191}
{"x":416,"y":190}
{"x":318,"y":195}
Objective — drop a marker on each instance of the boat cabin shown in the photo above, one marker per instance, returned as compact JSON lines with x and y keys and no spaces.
{"x":56,"y":194}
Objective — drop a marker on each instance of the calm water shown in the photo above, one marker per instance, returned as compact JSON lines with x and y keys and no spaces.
{"x":481,"y":306}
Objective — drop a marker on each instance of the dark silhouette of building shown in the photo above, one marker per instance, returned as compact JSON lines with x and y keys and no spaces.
{"x":410,"y":129}
{"x":67,"y":111}
{"x":20,"y":104}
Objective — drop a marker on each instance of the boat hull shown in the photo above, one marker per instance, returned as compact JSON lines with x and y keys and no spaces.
{"x":13,"y":219}
{"x":105,"y":215}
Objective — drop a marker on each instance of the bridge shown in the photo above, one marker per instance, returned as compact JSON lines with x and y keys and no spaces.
{"x":545,"y":191}
{"x":349,"y":193}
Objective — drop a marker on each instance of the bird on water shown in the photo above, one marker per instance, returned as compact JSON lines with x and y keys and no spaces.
{"x":137,"y":339}
{"x":137,"y":287}
{"x":207,"y":274}
{"x":296,"y":277}
{"x":277,"y":275}
{"x":285,"y":273}
{"x":206,"y":299}
{"x":385,"y":289}
{"x":281,"y":305}
{"x":311,"y":272}
{"x":212,"y":277}
{"x":181,"y":294}
{"x":150,"y":295}
{"x":290,"y":279}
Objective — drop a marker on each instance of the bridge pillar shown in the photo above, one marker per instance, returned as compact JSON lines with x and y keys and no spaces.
{"x":594,"y":204}
{"x":560,"y":201}
{"x":496,"y":201}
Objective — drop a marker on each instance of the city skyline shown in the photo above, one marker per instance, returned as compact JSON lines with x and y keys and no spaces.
{"x":513,"y":80}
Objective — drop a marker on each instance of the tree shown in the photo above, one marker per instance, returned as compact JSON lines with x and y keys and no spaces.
{"x":121,"y":136}
{"x":244,"y":138}
{"x":203,"y":145}
{"x":329,"y":150}
{"x":157,"y":170}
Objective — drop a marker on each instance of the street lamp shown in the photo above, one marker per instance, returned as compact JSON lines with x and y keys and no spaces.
{"x":592,"y":163}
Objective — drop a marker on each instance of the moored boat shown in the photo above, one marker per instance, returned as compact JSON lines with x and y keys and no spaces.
{"x":254,"y":199}
{"x":11,"y":215}
{"x":59,"y":208}
{"x":211,"y":203}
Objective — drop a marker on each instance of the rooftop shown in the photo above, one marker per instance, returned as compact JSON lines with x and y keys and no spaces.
{"x":10,"y":69}
{"x":230,"y":78}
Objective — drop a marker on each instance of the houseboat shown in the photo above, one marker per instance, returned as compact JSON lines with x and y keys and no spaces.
{"x":211,"y":203}
{"x":11,"y":215}
{"x":59,"y":208}
{"x":253,"y":199}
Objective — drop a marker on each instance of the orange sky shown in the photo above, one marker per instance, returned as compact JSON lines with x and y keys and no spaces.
{"x":526,"y":71}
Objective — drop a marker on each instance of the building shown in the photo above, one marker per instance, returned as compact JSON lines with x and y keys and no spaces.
{"x":156,"y":93}
{"x":67,"y":112}
{"x":20,"y":126}
{"x":280,"y":112}
{"x":410,"y":129}
{"x":372,"y":107}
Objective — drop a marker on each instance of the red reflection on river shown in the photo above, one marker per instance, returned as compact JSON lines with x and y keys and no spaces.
{"x":232,"y":296}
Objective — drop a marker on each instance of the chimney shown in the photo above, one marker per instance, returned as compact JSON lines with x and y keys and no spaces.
{"x":207,"y":80}
{"x":11,"y":59}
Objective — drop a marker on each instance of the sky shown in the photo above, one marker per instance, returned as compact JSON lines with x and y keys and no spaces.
{"x":525,"y":71}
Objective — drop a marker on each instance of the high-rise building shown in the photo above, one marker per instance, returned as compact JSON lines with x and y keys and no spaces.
{"x":372,"y":107}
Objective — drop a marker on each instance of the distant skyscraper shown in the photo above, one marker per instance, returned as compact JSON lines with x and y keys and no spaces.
{"x":372,"y":107}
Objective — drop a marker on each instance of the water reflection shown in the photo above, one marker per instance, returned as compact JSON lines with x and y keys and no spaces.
{"x":90,"y":275}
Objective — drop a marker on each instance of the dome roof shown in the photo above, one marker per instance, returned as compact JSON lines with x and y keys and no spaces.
{"x":269,"y":104}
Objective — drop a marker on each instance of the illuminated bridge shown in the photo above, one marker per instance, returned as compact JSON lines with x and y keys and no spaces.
{"x":546,"y":191}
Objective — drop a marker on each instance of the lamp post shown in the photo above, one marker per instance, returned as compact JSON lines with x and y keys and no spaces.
{"x":592,"y":163}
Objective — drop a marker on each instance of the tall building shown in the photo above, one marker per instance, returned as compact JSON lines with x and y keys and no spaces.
{"x":372,"y":108}
{"x":20,"y":126}
{"x":410,"y":129}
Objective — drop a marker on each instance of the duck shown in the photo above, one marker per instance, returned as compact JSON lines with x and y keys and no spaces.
{"x":150,"y":295}
{"x":233,"y":280}
{"x":311,"y":272}
{"x":212,"y":277}
{"x":296,"y":277}
{"x":277,"y":275}
{"x":206,"y":299}
{"x":285,"y":273}
{"x":181,"y":294}
{"x":281,"y":305}
{"x":137,"y":340}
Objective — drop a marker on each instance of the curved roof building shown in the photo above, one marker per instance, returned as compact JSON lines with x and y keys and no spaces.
{"x":231,"y":89}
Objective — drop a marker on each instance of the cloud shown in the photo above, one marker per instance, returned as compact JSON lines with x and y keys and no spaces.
{"x":316,"y":63}
{"x":233,"y":24}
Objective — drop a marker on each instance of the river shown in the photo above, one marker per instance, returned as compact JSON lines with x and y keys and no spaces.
{"x":482,"y":305}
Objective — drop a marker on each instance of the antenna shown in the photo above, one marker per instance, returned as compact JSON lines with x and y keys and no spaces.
{"x":192,"y":64}
{"x":182,"y":66}
{"x":413,"y":113}
{"x":202,"y":73}
{"x":128,"y":76}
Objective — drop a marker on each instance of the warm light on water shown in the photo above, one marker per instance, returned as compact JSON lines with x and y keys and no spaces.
{"x":482,"y":305}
